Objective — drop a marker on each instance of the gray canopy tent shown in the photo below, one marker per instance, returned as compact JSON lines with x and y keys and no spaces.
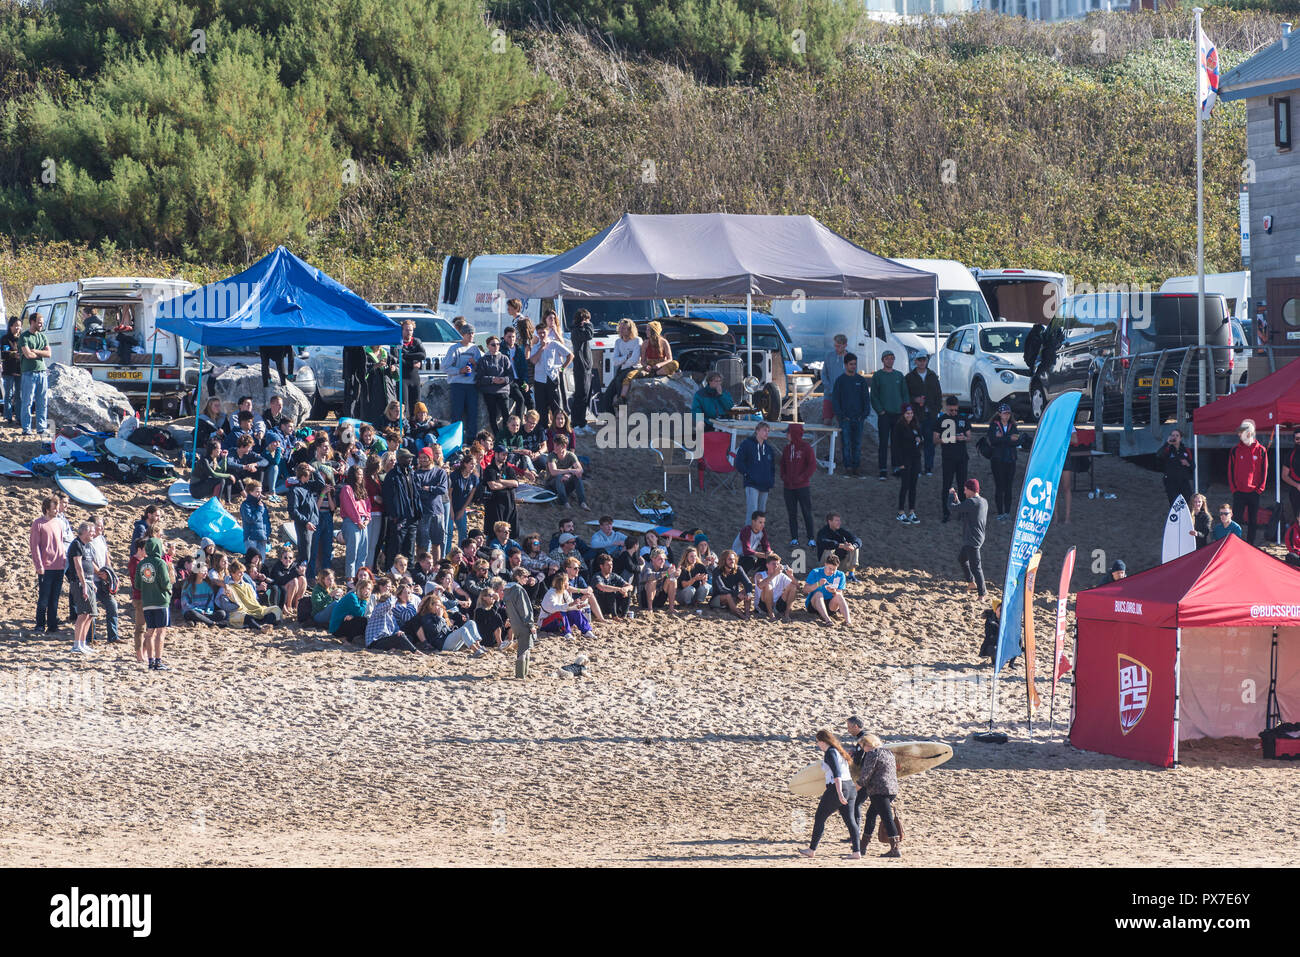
{"x":720,"y":254}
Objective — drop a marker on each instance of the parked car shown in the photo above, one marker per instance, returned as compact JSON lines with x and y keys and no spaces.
{"x":1241,"y":352}
{"x":1130,"y":328}
{"x":1232,"y":286}
{"x":984,"y":366}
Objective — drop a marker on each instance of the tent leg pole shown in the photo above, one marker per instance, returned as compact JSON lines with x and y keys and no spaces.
{"x":148,"y":399}
{"x":1277,"y":482}
{"x":1196,"y":462}
{"x":1178,"y":685}
{"x":749,"y":335}
{"x":198,"y":404}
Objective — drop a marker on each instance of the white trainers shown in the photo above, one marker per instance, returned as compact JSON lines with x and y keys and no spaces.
{"x":902,"y":517}
{"x":912,"y":519}
{"x":82,"y":649}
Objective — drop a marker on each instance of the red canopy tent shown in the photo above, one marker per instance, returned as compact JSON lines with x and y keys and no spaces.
{"x":1192,"y":648}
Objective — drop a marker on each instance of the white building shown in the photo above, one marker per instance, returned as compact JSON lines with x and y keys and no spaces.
{"x":1030,"y":9}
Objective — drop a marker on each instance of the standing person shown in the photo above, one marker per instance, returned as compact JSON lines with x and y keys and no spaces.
{"x":549,"y":358}
{"x":798,"y":463}
{"x":952,"y":433}
{"x":354,"y":504}
{"x":524,"y":368}
{"x":327,"y":505}
{"x":413,"y":356}
{"x":1201,"y":520}
{"x":757,"y":467}
{"x":256,"y":518}
{"x":49,"y":558}
{"x":81,"y":584}
{"x":279,"y":355}
{"x":381,"y":381}
{"x":839,"y":794}
{"x":304,"y":512}
{"x":909,"y":442}
{"x":105,"y":580}
{"x":926,"y":394}
{"x":519,"y":396}
{"x":973,"y":510}
{"x":153,"y":577}
{"x":433,"y":482}
{"x":492,"y":378}
{"x":1004,"y":436}
{"x":581,"y":336}
{"x":835,"y":539}
{"x":1247,"y":476}
{"x":401,"y":508}
{"x":1291,"y":475}
{"x":878,"y":777}
{"x":461,"y":361}
{"x":833,"y":366}
{"x":625,"y":357}
{"x":34,"y":349}
{"x":11,"y":369}
{"x":1175,"y":460}
{"x":851,"y":401}
{"x":888,"y":396}
{"x":464,"y":489}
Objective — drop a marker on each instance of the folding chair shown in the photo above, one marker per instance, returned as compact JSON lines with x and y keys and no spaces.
{"x":716,"y":459}
{"x":675,"y":460}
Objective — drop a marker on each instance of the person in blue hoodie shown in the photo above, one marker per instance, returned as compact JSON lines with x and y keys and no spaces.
{"x":757,"y":467}
{"x":851,"y":403}
{"x":304,"y":510}
{"x":256,"y":518}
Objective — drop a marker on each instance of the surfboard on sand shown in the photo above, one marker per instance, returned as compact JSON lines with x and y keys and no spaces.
{"x":1179,"y":540}
{"x":11,"y":469}
{"x":72,"y":450}
{"x":663,"y":531}
{"x":534,"y":495}
{"x":80,"y":490}
{"x":911,"y":757}
{"x":122,"y":449}
{"x":179,"y":493}
{"x":290,"y":533}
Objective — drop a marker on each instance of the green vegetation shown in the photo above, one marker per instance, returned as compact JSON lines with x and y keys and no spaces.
{"x":989,"y":140}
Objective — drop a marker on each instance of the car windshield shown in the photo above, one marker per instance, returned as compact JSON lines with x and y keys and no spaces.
{"x":998,"y":339}
{"x":956,"y":308}
{"x":765,"y":340}
{"x":605,"y":313}
{"x":433,"y":329}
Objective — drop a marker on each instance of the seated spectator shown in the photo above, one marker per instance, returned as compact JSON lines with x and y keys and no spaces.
{"x":501,"y":540}
{"x":436,"y":632}
{"x":578,"y":587}
{"x":532,"y":438}
{"x":568,"y":549}
{"x":324,"y":596}
{"x":606,"y":538}
{"x":256,"y":518}
{"x":694,"y":583}
{"x":732,"y":588}
{"x":565,"y":473}
{"x":491,"y":620}
{"x":629,"y":561}
{"x":751,"y":545}
{"x":711,"y":401}
{"x":382,"y":628}
{"x":197,"y":600}
{"x":651,"y":541}
{"x":613,"y":592}
{"x":563,"y":613}
{"x":247,"y":611}
{"x":349,"y":617}
{"x":824,"y":592}
{"x":658,"y":583}
{"x":774,"y":588}
{"x":835,"y":539}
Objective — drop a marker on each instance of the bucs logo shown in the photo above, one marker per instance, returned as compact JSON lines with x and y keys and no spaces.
{"x":1134,"y":689}
{"x":147,"y":574}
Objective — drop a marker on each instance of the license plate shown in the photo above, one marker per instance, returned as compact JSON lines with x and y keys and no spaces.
{"x":135,"y":376}
{"x":1166,"y":382}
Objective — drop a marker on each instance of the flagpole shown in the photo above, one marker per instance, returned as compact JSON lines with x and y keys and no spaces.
{"x":1200,"y":212}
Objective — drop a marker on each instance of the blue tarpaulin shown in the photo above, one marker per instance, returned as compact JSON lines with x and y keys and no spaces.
{"x":278,"y":301}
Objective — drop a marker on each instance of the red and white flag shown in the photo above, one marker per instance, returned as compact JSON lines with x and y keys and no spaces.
{"x":1207,"y":77}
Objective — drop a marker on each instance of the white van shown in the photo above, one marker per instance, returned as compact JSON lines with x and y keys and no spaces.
{"x":1022,"y":295}
{"x":873,"y":326}
{"x":1232,"y":286}
{"x":82,"y":320}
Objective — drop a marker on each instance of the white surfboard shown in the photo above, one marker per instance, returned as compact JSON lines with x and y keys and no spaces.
{"x":80,"y":490}
{"x":663,"y":531}
{"x":910,"y":757}
{"x":67,"y":448}
{"x":534,"y":495}
{"x":290,"y":533}
{"x":179,"y":493}
{"x":122,"y":449}
{"x":11,"y":469}
{"x":1179,"y":540}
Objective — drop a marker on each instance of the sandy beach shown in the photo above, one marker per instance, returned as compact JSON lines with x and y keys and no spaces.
{"x":675,"y":746}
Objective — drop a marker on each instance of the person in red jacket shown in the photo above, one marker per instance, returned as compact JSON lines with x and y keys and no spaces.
{"x":1247,"y":477}
{"x":798,"y":463}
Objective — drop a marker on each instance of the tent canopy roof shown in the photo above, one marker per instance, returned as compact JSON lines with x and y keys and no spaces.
{"x":1273,"y":400}
{"x":278,"y":301}
{"x":1226,"y":584}
{"x":718,"y":254}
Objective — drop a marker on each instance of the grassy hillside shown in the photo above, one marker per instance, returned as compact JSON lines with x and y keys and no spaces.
{"x":989,"y":140}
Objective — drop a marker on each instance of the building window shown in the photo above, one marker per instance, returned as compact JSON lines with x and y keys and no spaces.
{"x":1291,"y":312}
{"x":1282,"y":122}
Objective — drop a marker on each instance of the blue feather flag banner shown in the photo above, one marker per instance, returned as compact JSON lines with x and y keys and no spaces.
{"x":1037,"y":502}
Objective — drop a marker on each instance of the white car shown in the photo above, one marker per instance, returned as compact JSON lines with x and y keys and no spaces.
{"x":984,"y":366}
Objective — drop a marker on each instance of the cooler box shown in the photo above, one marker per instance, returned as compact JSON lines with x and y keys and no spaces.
{"x":1282,"y":743}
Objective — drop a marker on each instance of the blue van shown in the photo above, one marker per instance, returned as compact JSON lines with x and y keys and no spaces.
{"x":770,"y":334}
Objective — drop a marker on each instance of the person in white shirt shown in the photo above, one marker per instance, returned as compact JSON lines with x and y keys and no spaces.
{"x":774,"y":588}
{"x":625,"y":356}
{"x":549,"y":357}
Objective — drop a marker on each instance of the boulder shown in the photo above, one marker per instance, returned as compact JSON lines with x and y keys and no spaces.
{"x":230,"y":382}
{"x":661,"y":394}
{"x":76,"y":398}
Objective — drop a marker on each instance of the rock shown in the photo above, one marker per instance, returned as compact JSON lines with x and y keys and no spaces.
{"x":661,"y":394}
{"x":437,"y":397}
{"x":231,"y":382}
{"x":75,"y":398}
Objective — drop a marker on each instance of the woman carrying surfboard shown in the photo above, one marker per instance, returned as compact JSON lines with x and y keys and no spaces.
{"x":838,"y":796}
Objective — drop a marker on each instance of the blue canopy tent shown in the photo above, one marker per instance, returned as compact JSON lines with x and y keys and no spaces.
{"x":280,"y":300}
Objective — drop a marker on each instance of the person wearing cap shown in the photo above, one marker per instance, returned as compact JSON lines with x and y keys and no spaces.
{"x":926,"y":396}
{"x":401,"y":507}
{"x":492,"y":377}
{"x":1117,"y":571}
{"x":460,"y":363}
{"x":434,"y":484}
{"x":1004,"y":437}
{"x":888,"y":396}
{"x":952,"y":432}
{"x":850,"y":400}
{"x":973,"y":511}
{"x":566,"y":549}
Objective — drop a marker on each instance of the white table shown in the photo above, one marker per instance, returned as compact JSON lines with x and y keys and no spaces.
{"x":816,"y":434}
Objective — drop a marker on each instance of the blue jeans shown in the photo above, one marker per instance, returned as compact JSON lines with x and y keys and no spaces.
{"x":851,"y":435}
{"x":48,"y":587}
{"x":563,"y":488}
{"x":885,"y":434}
{"x":464,"y":407}
{"x":462,"y":530}
{"x":305,"y":550}
{"x":324,"y":543}
{"x":927,"y":440}
{"x":356,"y":541}
{"x":271,"y":476}
{"x":35,"y":391}
{"x":322,"y":617}
{"x":108,"y":602}
{"x":449,"y":527}
{"x":256,"y":544}
{"x":13,"y":385}
{"x":432,"y":527}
